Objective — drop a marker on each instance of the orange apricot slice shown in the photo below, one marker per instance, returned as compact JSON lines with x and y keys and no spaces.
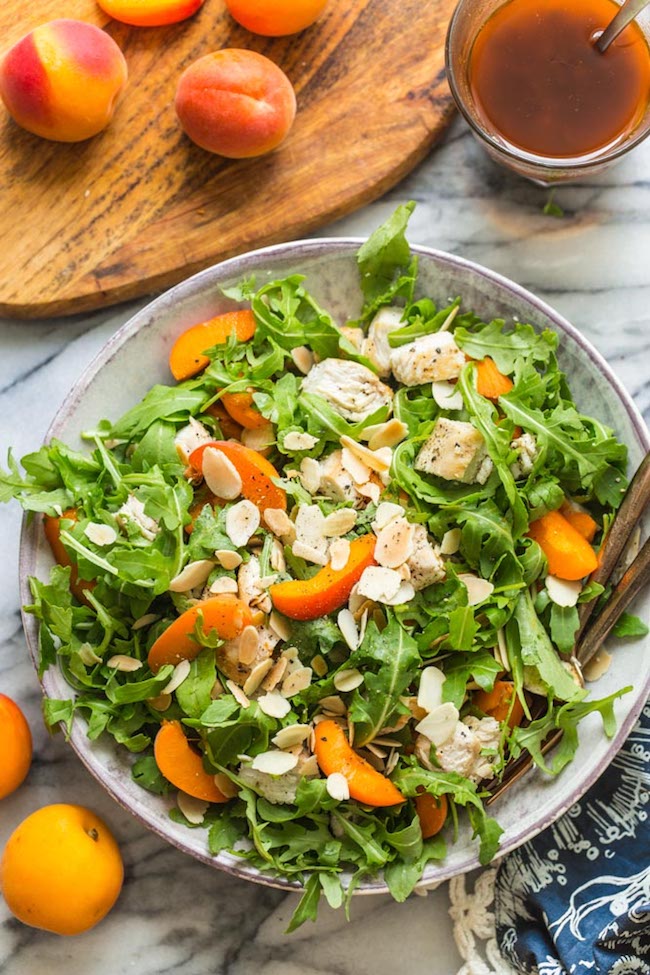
{"x":432,"y":812}
{"x":490,"y":381}
{"x":52,"y":530}
{"x":186,"y":358}
{"x":243,"y":411}
{"x":226,"y":613}
{"x":255,"y":471}
{"x":334,"y":754}
{"x":326,"y":591}
{"x":182,"y":766}
{"x":582,"y":521}
{"x":496,"y":703}
{"x":569,"y":555}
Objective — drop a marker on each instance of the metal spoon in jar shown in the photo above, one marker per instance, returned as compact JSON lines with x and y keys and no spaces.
{"x":629,"y":10}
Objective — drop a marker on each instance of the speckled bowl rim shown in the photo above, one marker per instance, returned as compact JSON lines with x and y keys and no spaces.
{"x":243,"y":266}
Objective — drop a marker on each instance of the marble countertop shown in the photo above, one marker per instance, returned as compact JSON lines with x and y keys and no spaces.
{"x":175,"y":914}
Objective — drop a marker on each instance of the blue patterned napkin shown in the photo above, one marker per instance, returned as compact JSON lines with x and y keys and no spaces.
{"x":576,"y":899}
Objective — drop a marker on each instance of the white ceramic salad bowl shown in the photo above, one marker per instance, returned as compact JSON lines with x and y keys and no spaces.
{"x":136,"y":357}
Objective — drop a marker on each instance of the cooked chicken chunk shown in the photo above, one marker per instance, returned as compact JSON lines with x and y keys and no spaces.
{"x":455,"y":450}
{"x":425,"y":564}
{"x":462,"y":752}
{"x":526,"y":447}
{"x":375,"y":346}
{"x":351,"y":389}
{"x":431,"y":358}
{"x":279,"y":788}
{"x":227,"y":655}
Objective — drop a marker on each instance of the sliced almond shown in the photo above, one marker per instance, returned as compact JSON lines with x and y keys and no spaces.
{"x":242,"y":520}
{"x":127,"y":665}
{"x":181,"y":673}
{"x":348,"y":680}
{"x":386,"y":512}
{"x":598,"y":665}
{"x":220,"y":474}
{"x":276,"y":673}
{"x":501,"y":650}
{"x":160,"y":703}
{"x":339,"y":522}
{"x":297,"y":681}
{"x":319,"y":665}
{"x":194,"y":574}
{"x":374,"y":749}
{"x":378,"y":583}
{"x":395,"y":543}
{"x":228,"y":559}
{"x":188,"y":438}
{"x":225,"y":785}
{"x":310,"y":474}
{"x":100,"y":534}
{"x":450,"y":542}
{"x":370,"y":490}
{"x":224,"y":584}
{"x":280,"y":625}
{"x":337,"y":786}
{"x":278,"y":561}
{"x":309,"y":553}
{"x":260,"y":439}
{"x":356,"y":468}
{"x":562,"y":591}
{"x":295,"y":441}
{"x":447,"y":395}
{"x":439,"y":725}
{"x":274,"y":762}
{"x":334,"y":704}
{"x":257,"y":675}
{"x":278,"y":521}
{"x":193,"y":809}
{"x":478,"y":590}
{"x":145,"y":620}
{"x":387,"y":434}
{"x":303,"y":358}
{"x":293,"y":734}
{"x":216,"y":690}
{"x":430,"y":689}
{"x":339,"y":553}
{"x":88,"y":656}
{"x":274,"y":704}
{"x":348,"y":627}
{"x":404,"y":594}
{"x":238,"y":694}
{"x":249,"y":642}
{"x":376,"y":460}
{"x":309,"y":768}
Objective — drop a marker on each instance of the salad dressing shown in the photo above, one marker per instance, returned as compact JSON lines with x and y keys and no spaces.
{"x":539,"y":82}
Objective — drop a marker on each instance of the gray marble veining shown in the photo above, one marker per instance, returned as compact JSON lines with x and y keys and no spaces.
{"x":175,"y":915}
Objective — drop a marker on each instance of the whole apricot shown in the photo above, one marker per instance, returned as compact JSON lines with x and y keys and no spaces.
{"x":62,"y":80}
{"x":61,"y":869}
{"x":275,"y":18}
{"x":150,"y":13}
{"x":236,"y":103}
{"x":15,"y":746}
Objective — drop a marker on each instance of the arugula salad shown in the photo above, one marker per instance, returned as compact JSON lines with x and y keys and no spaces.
{"x":326,"y":585}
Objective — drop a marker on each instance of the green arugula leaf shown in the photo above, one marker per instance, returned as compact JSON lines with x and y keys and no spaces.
{"x":506,"y":347}
{"x":629,"y":625}
{"x":528,"y":640}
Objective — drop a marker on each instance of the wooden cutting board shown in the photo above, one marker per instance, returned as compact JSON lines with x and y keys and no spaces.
{"x":139,"y":207}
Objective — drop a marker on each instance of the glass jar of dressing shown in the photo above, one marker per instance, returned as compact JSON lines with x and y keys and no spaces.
{"x":536,"y":91}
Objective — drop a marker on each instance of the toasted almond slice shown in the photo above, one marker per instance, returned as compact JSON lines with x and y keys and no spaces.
{"x":160,"y":703}
{"x":319,"y":665}
{"x":598,"y":665}
{"x":449,"y":319}
{"x":228,"y":559}
{"x":450,"y":542}
{"x":378,"y":583}
{"x":334,"y":704}
{"x":376,"y":460}
{"x":501,"y":650}
{"x":276,"y":674}
{"x":216,"y":690}
{"x":337,"y":786}
{"x":221,"y":475}
{"x":386,"y":512}
{"x":274,"y":704}
{"x":310,"y":474}
{"x":370,"y":490}
{"x":309,"y":768}
{"x":430,"y":689}
{"x":225,"y":785}
{"x":145,"y":620}
{"x":274,"y":762}
{"x":242,"y":521}
{"x":339,"y":522}
{"x":181,"y":673}
{"x":439,"y":724}
{"x":295,"y":441}
{"x":478,"y":589}
{"x":348,"y":627}
{"x":278,"y":521}
{"x":249,"y":642}
{"x":88,"y":656}
{"x":375,"y":750}
{"x":127,"y":665}
{"x":194,"y":574}
{"x":363,"y":622}
{"x":224,"y":584}
{"x":404,"y":572}
{"x":260,"y":439}
{"x":297,"y":681}
{"x":562,"y":591}
{"x":257,"y":675}
{"x":238,"y":694}
{"x":339,"y":553}
{"x":280,"y":625}
{"x":395,"y":543}
{"x":100,"y":534}
{"x":356,"y":468}
{"x":387,"y":434}
{"x":404,"y":594}
{"x":292,"y":657}
{"x":309,"y":553}
{"x":347,"y":680}
{"x":293,"y":734}
{"x":303,"y":358}
{"x":278,"y":561}
{"x":447,"y":395}
{"x":193,"y":809}
{"x":391,"y":762}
